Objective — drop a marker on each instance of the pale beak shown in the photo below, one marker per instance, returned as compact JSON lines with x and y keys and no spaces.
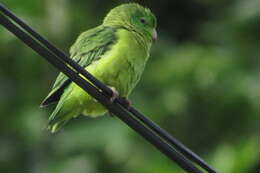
{"x":154,"y":35}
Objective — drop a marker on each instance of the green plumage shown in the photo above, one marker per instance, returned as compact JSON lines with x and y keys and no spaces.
{"x":114,"y":52}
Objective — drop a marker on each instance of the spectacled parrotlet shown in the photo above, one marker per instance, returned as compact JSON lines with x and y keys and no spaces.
{"x":114,"y":52}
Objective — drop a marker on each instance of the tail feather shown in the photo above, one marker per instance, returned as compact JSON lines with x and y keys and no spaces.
{"x":55,"y":94}
{"x":57,"y":119}
{"x":61,"y":115}
{"x":64,"y":111}
{"x":54,"y":127}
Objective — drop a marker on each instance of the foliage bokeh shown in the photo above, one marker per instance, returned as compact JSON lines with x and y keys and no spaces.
{"x":202,"y":84}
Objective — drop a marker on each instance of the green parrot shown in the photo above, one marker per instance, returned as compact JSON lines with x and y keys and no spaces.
{"x":115,"y":52}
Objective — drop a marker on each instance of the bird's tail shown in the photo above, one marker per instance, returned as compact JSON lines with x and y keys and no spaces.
{"x":57,"y":119}
{"x":64,"y":111}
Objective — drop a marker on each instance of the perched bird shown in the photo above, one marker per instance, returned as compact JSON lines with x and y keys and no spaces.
{"x":115,"y":52}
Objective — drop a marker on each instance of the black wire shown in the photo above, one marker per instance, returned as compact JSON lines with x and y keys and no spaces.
{"x":178,"y":145}
{"x":115,"y":108}
{"x":164,"y":134}
{"x":105,"y":89}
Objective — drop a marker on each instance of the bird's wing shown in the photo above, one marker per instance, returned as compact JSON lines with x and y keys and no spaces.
{"x":89,"y":47}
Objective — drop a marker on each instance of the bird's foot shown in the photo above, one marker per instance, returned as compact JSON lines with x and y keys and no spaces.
{"x":115,"y":94}
{"x":125,"y":102}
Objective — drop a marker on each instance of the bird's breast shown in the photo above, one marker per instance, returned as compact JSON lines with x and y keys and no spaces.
{"x":122,"y":66}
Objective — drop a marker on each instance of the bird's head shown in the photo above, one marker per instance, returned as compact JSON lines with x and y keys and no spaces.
{"x":133,"y":17}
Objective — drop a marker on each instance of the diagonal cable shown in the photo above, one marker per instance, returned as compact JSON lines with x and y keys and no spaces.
{"x":165,"y":135}
{"x":116,"y":109}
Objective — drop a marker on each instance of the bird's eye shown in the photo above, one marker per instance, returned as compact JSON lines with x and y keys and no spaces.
{"x":142,"y":20}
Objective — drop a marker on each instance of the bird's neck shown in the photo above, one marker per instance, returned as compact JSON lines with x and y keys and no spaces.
{"x":143,"y":40}
{"x":140,"y":36}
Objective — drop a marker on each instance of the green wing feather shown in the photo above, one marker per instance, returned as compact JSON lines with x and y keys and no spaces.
{"x":89,"y":47}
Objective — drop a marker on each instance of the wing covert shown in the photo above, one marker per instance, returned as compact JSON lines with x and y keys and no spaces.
{"x":89,"y":47}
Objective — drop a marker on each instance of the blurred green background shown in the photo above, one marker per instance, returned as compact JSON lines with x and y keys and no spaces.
{"x":202,"y":84}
